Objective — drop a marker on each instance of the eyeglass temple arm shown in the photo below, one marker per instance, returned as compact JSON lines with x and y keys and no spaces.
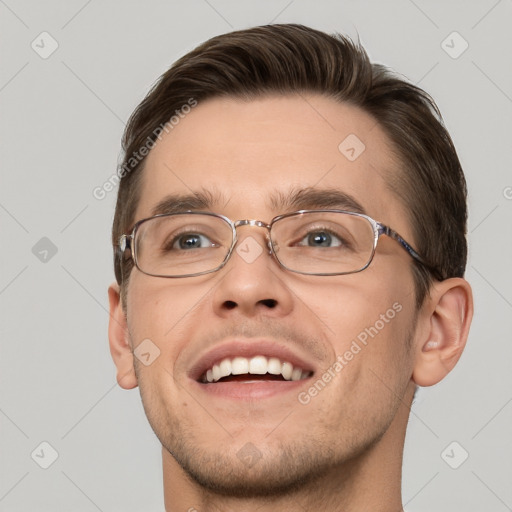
{"x":385,"y":230}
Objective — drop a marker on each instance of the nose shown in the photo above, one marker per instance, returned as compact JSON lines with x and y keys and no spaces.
{"x":252,"y":282}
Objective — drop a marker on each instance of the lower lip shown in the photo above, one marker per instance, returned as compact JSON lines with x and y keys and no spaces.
{"x":245,"y":390}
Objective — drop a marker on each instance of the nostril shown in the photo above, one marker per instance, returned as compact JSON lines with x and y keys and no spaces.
{"x":230,"y":304}
{"x":270,"y":303}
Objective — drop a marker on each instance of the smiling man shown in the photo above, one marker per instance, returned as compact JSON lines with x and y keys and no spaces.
{"x":289,"y":244}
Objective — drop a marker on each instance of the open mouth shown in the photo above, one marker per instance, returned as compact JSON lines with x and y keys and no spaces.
{"x":253,"y":369}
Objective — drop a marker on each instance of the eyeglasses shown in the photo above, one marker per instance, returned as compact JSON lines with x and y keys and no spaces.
{"x":311,"y":242}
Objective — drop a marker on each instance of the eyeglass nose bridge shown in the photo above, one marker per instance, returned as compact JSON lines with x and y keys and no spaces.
{"x":256,"y":223}
{"x":251,"y":222}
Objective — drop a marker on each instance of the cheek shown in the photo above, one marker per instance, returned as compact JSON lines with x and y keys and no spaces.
{"x":157,"y":312}
{"x":153,"y":319}
{"x":368,"y":324}
{"x":169,"y":314}
{"x":370,"y":340}
{"x":355,"y":302}
{"x":159,"y":309}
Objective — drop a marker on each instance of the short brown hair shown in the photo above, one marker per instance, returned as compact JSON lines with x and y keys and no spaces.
{"x":293,"y":59}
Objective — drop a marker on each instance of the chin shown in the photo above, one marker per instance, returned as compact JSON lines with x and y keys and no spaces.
{"x":256,"y":476}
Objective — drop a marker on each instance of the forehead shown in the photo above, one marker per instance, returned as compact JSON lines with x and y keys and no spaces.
{"x":247,"y":159}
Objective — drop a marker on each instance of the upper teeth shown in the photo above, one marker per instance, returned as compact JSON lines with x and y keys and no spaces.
{"x":257,"y":365}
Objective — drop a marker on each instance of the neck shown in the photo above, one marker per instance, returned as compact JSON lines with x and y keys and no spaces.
{"x":371,"y":481}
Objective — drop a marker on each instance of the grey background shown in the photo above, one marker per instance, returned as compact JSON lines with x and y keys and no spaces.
{"x":61,"y":121}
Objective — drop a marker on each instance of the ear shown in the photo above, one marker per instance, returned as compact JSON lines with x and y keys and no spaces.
{"x":447,"y":317}
{"x":119,"y":340}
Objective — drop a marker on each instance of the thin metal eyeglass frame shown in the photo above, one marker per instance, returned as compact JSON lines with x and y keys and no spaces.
{"x":127,"y":241}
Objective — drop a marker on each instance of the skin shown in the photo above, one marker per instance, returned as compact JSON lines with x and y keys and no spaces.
{"x":343,"y":450}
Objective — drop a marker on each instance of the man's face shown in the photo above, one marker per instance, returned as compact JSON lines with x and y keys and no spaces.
{"x":256,"y":437}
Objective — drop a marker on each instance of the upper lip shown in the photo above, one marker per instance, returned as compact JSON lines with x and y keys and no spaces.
{"x":249,"y":348}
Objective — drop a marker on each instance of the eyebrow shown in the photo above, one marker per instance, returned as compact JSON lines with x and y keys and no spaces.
{"x":309,"y":198}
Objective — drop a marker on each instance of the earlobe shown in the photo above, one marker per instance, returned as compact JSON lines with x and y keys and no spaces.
{"x":450,"y":310}
{"x":119,"y":342}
